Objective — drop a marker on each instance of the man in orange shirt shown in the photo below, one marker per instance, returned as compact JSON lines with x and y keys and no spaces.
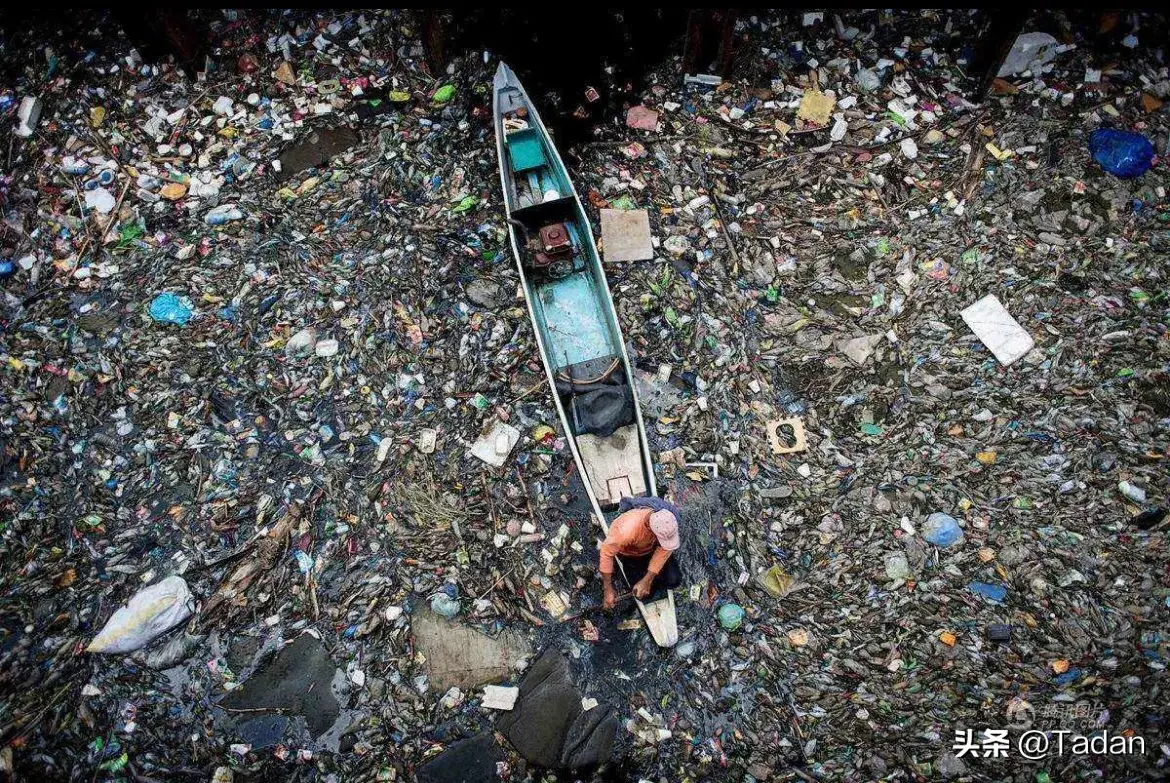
{"x":644,"y":538}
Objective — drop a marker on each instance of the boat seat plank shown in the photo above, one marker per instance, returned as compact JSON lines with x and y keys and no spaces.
{"x":613,"y":465}
{"x":536,"y":215}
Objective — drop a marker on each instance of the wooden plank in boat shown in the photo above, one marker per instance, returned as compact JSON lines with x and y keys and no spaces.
{"x":613,"y":465}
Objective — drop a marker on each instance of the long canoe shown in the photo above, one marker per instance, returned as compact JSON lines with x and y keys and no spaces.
{"x":575,"y":323}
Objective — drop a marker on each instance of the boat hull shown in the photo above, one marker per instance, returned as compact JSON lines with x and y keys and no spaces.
{"x":573,"y":316}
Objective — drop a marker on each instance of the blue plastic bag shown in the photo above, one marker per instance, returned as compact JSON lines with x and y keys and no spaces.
{"x":1122,"y":153}
{"x":444,"y":602}
{"x":994,"y":593}
{"x":942,"y":530}
{"x":170,"y":309}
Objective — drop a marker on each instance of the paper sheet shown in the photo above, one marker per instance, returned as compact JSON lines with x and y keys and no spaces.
{"x":994,"y":325}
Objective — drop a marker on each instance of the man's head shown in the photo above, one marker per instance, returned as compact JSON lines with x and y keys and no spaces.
{"x":664,"y":525}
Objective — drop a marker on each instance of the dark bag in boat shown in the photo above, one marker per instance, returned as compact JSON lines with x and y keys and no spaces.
{"x":603,"y":410}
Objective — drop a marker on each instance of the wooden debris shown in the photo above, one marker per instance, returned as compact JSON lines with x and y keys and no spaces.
{"x":266,"y":552}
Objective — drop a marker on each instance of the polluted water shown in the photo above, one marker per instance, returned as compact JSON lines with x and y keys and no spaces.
{"x":284,"y":491}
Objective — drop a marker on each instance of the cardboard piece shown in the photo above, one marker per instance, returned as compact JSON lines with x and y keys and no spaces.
{"x":816,"y":107}
{"x":778,"y":447}
{"x":625,"y":235}
{"x":642,"y":118}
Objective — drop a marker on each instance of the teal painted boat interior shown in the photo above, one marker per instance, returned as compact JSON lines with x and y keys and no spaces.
{"x":570,"y":301}
{"x":568,"y":309}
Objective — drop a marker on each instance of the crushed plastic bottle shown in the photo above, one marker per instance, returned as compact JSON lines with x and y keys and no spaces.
{"x":1132,"y":491}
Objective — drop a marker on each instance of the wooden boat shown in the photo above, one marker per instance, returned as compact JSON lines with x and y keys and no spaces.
{"x":573,"y":316}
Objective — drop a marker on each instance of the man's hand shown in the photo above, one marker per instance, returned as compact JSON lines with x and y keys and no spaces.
{"x":608,"y":598}
{"x":643,"y":587}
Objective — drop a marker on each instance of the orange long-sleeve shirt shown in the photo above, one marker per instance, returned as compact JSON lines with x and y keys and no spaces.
{"x":630,"y":535}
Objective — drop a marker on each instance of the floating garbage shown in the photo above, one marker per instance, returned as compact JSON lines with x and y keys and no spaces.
{"x":170,"y":308}
{"x":223,"y":214}
{"x":731,"y":616}
{"x":150,"y":613}
{"x":28,"y":115}
{"x":995,"y":327}
{"x":1122,"y":153}
{"x":100,"y":200}
{"x":74,"y":166}
{"x":445,"y":604}
{"x":304,"y":341}
{"x":994,"y":593}
{"x":942,"y":530}
{"x":897,"y":567}
{"x":1132,"y":491}
{"x":1030,"y":52}
{"x":777,"y":582}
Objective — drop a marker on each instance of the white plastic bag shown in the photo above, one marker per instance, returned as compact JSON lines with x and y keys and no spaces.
{"x":1031,"y":51}
{"x":150,"y":613}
